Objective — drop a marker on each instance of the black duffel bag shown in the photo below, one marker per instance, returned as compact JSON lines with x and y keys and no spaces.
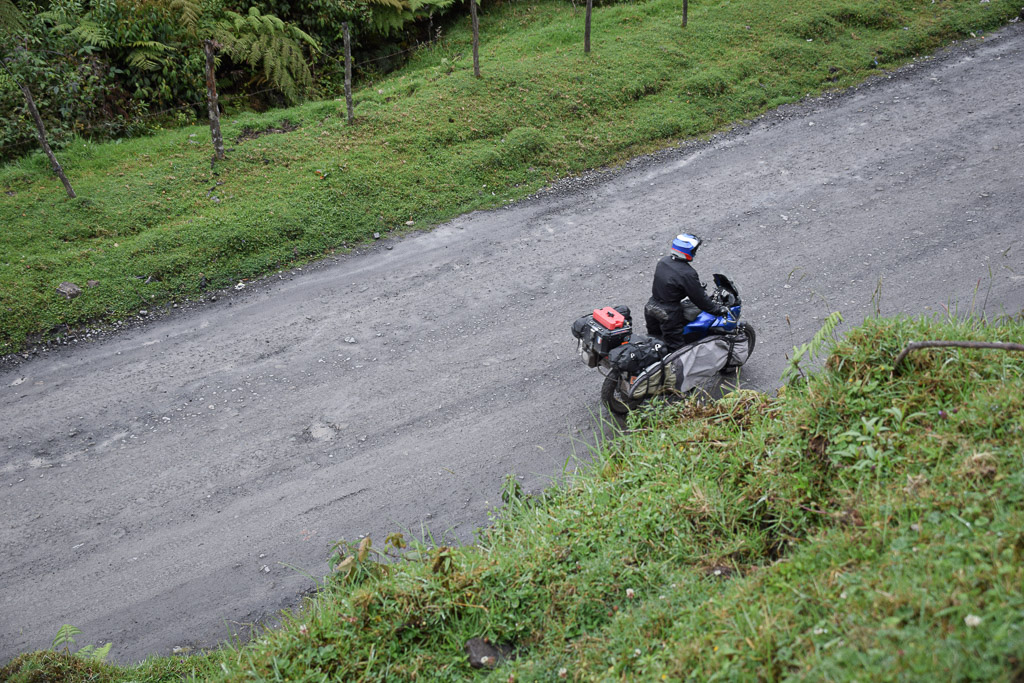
{"x":581,"y":328}
{"x":631,"y":359}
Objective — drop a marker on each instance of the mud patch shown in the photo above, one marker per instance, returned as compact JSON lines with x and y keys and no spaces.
{"x":248,"y":133}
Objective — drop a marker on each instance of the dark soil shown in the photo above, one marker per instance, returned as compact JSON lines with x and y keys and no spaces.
{"x":248,"y":133}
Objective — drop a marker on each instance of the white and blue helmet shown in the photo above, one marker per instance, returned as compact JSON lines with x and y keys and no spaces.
{"x":685,"y":246}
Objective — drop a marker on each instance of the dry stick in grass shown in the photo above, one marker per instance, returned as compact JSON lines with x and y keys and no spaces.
{"x":914,"y":346}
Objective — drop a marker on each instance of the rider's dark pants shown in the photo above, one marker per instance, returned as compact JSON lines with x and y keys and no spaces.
{"x":667,"y":322}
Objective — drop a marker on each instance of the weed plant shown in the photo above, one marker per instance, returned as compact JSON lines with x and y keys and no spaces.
{"x":153,"y":222}
{"x":865,"y":524}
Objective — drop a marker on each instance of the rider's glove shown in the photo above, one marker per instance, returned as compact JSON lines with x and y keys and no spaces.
{"x":724,"y":312}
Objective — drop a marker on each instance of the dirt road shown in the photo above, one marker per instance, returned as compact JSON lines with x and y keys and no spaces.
{"x":167,"y":485}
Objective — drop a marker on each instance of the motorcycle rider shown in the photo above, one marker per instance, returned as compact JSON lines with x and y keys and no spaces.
{"x":677,"y":296}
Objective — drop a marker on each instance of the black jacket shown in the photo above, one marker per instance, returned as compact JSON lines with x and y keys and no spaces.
{"x":675,"y":279}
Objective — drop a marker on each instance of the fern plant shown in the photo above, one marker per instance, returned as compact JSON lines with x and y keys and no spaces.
{"x":389,"y":17}
{"x":96,"y":33}
{"x":189,"y":13}
{"x":11,"y":19}
{"x":263,"y":41}
{"x":90,"y":34}
{"x":65,"y":639}
{"x":807,"y":352}
{"x":148,"y":55}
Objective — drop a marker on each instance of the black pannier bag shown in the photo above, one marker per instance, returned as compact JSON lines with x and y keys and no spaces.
{"x":631,"y":359}
{"x":605,"y":341}
{"x":581,"y":328}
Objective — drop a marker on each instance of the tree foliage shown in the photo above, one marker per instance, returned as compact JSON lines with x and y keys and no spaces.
{"x":114,"y":68}
{"x":153,"y":33}
{"x":76,"y":91}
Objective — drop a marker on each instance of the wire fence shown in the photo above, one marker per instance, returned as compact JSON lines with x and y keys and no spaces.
{"x":355,"y":65}
{"x":202,"y":103}
{"x":146,"y":116}
{"x":415,"y":47}
{"x":16,"y":145}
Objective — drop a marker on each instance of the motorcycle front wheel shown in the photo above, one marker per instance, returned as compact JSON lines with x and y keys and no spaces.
{"x":747,"y":330}
{"x":612,"y":396}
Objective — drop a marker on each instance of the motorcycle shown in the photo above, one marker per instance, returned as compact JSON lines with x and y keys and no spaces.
{"x":639,"y":368}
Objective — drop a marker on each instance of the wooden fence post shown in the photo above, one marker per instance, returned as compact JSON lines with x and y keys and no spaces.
{"x":476,"y":38}
{"x":41,"y":133}
{"x":348,"y":71}
{"x":586,"y":29}
{"x":211,"y":101}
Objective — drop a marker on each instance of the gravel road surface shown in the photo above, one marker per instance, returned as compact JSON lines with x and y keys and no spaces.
{"x":166,"y":486}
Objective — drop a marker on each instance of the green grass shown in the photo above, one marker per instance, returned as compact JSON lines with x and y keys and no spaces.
{"x":430,"y":142}
{"x":863,"y":525}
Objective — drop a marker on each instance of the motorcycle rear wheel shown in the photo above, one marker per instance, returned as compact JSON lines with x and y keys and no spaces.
{"x":612,"y":396}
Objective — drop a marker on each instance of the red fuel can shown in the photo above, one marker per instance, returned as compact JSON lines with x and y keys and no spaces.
{"x":609,"y":318}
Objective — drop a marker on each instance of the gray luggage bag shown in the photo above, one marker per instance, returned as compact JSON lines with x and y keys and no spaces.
{"x":691,"y":366}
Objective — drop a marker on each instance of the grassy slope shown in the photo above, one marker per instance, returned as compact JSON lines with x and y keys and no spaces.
{"x":430,"y":142}
{"x":863,"y":525}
